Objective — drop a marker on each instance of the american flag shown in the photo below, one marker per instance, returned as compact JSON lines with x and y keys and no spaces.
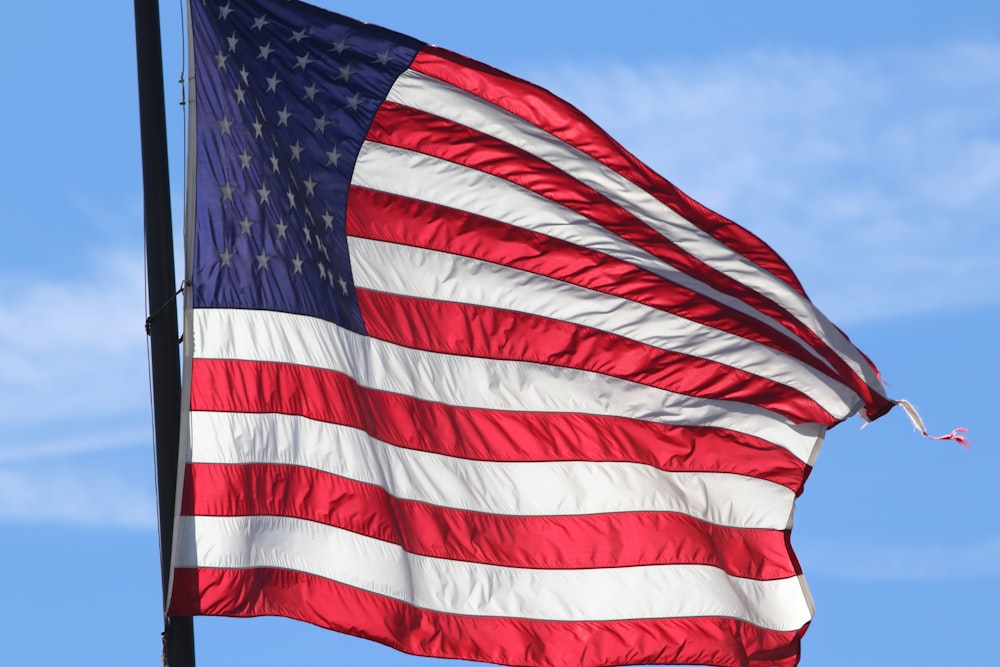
{"x":467,"y":378}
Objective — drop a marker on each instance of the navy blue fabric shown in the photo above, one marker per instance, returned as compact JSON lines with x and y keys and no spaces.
{"x":285,"y":93}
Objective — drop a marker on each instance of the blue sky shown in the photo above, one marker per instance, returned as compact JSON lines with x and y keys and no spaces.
{"x":861,"y":141}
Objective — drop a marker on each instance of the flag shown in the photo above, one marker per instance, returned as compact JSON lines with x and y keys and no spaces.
{"x":465,"y":377}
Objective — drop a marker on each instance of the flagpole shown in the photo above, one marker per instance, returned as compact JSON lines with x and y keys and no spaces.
{"x":178,"y":632}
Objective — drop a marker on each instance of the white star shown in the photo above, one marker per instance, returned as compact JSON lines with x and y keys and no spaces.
{"x":333,"y":156}
{"x":220,"y":60}
{"x":383,"y":58}
{"x":328,"y":219}
{"x":322,"y":270}
{"x":310,"y":186}
{"x":240,"y":95}
{"x":264,"y":194}
{"x":296,"y":149}
{"x":224,"y":125}
{"x":262,"y":260}
{"x":343,"y":284}
{"x":227,"y":192}
{"x":274,"y":163}
{"x":259,"y":23}
{"x":354,"y":101}
{"x":225,"y":11}
{"x":302,"y":61}
{"x":272,"y":83}
{"x":291,"y":198}
{"x":266,"y":51}
{"x":311,"y":91}
{"x":233,"y":41}
{"x":281,"y":229}
{"x":298,"y":264}
{"x":226,"y":257}
{"x":283,"y":116}
{"x":345,"y":71}
{"x":258,"y":129}
{"x":305,"y":230}
{"x":322,"y":247}
{"x":339,"y":46}
{"x":320,"y":124}
{"x":299,"y":35}
{"x":246,"y":224}
{"x":245,"y":159}
{"x":245,"y":75}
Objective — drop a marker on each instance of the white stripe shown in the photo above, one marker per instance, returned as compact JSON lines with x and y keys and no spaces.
{"x":430,"y":95}
{"x":429,"y":274}
{"x":427,"y":178}
{"x":543,"y":488}
{"x":456,"y":587}
{"x":474,"y":382}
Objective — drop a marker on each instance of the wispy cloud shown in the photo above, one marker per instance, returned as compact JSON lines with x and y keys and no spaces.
{"x":73,"y":384}
{"x":91,"y":441}
{"x":75,"y":347}
{"x":877,"y":176}
{"x":75,"y":496}
{"x":859,"y":561}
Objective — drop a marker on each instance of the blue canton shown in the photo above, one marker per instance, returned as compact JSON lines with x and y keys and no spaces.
{"x":283,"y":105}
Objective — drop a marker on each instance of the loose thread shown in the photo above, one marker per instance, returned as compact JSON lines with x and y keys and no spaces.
{"x":957,"y":435}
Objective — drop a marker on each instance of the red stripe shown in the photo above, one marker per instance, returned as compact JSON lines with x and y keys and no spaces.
{"x":555,"y":116}
{"x":385,"y":217}
{"x":479,"y":331}
{"x":560,"y":119}
{"x":620,"y":539}
{"x":481,"y":434}
{"x":272,"y":592}
{"x":417,"y":131}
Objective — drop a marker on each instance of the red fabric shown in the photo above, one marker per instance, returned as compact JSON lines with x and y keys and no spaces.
{"x":562,"y":120}
{"x":478,"y":331}
{"x":696,"y":641}
{"x":622,"y":539}
{"x":486,"y":435}
{"x":385,"y":217}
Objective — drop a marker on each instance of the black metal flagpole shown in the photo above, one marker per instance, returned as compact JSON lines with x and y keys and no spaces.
{"x":178,"y":632}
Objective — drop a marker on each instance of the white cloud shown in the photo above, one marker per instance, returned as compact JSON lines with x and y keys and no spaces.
{"x":875,"y":175}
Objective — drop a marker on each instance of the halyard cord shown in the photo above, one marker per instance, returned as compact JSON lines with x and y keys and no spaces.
{"x":183,"y":31}
{"x":153,"y":316}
